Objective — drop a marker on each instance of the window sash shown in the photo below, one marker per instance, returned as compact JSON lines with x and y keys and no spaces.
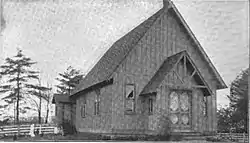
{"x":130,"y":105}
{"x":130,"y":88}
{"x":83,"y":111}
{"x":130,"y":101}
{"x":97,"y":108}
{"x":150,"y":109}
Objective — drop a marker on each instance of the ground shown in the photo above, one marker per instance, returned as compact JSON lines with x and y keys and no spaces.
{"x":88,"y":137}
{"x":73,"y":139}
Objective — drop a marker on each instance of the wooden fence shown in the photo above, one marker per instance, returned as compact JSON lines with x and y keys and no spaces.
{"x":25,"y":129}
{"x":240,"y":137}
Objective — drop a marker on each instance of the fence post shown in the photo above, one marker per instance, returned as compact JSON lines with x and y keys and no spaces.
{"x":40,"y":129}
{"x":243,"y":137}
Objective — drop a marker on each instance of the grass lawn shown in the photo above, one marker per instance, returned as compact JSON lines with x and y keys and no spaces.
{"x":86,"y":138}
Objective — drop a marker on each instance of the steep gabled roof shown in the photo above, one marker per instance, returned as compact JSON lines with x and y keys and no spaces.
{"x":168,"y":65}
{"x":221,"y":84}
{"x":116,"y":54}
{"x":120,"y":49}
{"x":161,"y":73}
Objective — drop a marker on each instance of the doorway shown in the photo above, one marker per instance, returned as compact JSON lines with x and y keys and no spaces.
{"x":180,"y":110}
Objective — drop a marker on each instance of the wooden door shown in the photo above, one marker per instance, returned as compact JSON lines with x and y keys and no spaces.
{"x":180,"y":110}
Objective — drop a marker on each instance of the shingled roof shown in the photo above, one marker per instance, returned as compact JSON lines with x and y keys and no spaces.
{"x":108,"y":63}
{"x":57,"y":98}
{"x":116,"y":54}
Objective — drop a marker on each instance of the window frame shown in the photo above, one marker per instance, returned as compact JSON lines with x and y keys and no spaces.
{"x":97,"y":102}
{"x":205,"y":108}
{"x":133,"y":99}
{"x":83,"y":111}
{"x":83,"y":108}
{"x":150,"y":106}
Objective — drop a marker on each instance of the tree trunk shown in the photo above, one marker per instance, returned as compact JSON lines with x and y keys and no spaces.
{"x":14,"y":113}
{"x":246,"y":124}
{"x":18,"y":98}
{"x":47,"y":114}
{"x":39,"y":110}
{"x":40,"y":104}
{"x":39,"y":116}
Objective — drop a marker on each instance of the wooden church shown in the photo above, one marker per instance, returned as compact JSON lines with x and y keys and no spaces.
{"x":155,"y":71}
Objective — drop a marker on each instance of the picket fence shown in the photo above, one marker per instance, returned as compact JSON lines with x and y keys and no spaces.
{"x":240,"y":137}
{"x":25,"y":129}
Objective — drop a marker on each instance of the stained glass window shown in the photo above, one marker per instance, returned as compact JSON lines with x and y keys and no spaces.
{"x":204,"y":103}
{"x":179,"y":107}
{"x":184,"y":101}
{"x":174,"y":104}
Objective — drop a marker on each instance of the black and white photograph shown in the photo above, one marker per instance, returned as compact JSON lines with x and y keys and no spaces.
{"x":124,"y":71}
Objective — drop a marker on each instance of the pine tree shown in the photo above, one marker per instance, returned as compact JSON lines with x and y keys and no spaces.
{"x":17,"y":73}
{"x":239,"y":98}
{"x":68,"y":80}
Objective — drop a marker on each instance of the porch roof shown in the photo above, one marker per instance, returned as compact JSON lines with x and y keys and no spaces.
{"x":59,"y":98}
{"x":164,"y":69}
{"x":167,"y":66}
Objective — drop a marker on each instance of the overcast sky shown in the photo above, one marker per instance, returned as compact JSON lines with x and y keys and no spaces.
{"x":77,"y":32}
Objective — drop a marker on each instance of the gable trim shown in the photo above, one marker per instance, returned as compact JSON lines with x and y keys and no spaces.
{"x":198,"y":72}
{"x":155,"y":83}
{"x":186,"y":56}
{"x":221,"y":84}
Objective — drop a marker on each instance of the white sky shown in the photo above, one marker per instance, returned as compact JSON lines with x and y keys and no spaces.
{"x":77,"y":32}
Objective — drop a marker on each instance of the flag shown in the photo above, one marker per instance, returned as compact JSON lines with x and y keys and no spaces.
{"x":2,"y":20}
